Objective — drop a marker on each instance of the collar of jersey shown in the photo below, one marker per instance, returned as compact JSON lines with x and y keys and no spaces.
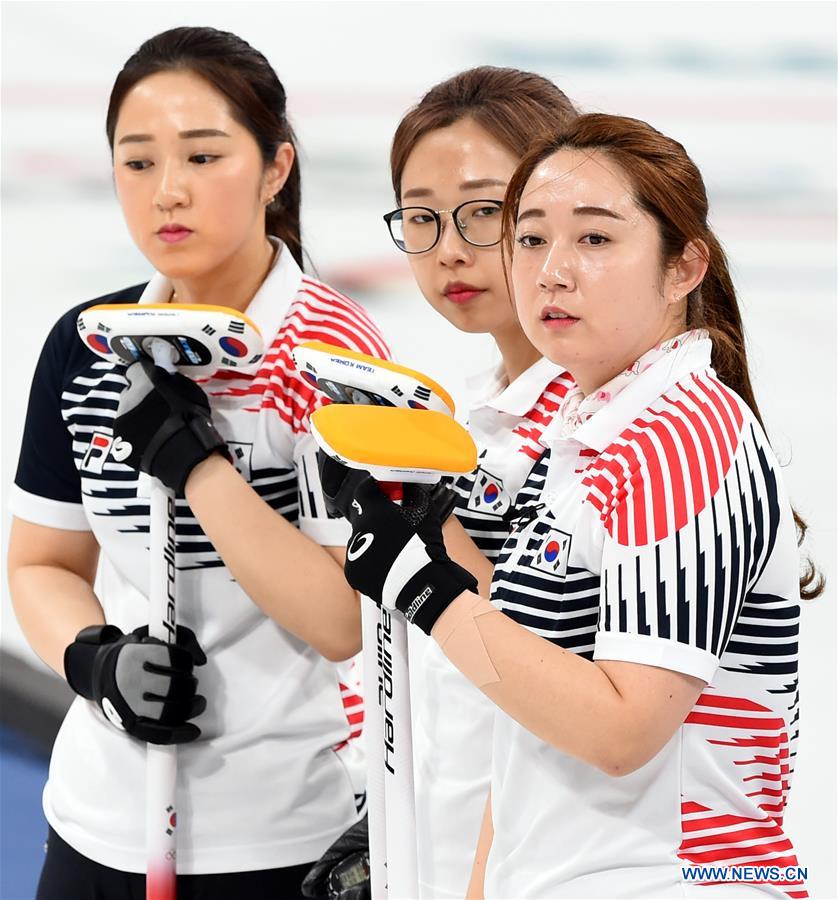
{"x":270,"y":303}
{"x":524,"y":393}
{"x":605,"y":424}
{"x":515,"y":399}
{"x":483,"y":386}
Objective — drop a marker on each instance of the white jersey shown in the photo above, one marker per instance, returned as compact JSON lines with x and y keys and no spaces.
{"x":453,"y":722}
{"x":275,"y":776}
{"x":659,"y":533}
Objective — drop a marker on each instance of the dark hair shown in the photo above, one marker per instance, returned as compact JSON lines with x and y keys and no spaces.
{"x":255,"y":95}
{"x":668,"y":186}
{"x":514,"y":107}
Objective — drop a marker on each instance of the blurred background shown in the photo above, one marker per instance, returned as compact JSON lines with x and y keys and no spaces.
{"x":749,"y":88}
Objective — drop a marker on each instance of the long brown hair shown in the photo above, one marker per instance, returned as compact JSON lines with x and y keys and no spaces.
{"x":514,"y":107}
{"x":251,"y":87}
{"x":668,"y":186}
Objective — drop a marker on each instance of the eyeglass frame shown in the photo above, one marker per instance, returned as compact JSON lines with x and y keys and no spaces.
{"x":436,"y":213}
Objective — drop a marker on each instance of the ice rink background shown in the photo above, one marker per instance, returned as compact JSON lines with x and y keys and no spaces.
{"x":748,"y":88}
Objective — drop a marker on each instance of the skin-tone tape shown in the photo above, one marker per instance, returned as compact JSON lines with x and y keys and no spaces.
{"x":458,"y":633}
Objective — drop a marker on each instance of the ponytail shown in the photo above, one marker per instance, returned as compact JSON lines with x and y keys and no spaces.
{"x":713,"y":306}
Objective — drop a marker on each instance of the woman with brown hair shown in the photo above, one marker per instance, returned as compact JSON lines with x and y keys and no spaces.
{"x":455,"y":151}
{"x":206,"y":173}
{"x":645,"y":664}
{"x":451,"y":159}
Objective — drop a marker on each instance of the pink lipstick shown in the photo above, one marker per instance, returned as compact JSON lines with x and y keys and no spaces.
{"x":174,"y":233}
{"x":557,"y":319}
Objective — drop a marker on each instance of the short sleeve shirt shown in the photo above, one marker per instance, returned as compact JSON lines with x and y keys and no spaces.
{"x":276,"y":775}
{"x":658,"y":533}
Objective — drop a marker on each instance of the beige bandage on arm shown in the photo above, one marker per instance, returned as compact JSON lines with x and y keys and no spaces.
{"x":458,"y":634}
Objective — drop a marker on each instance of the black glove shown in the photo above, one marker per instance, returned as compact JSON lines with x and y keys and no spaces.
{"x":165,"y":418}
{"x":396,"y":554}
{"x":343,"y":871}
{"x":143,"y":685}
{"x":337,"y":492}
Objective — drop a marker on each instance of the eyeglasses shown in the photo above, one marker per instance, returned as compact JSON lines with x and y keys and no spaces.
{"x":417,"y":229}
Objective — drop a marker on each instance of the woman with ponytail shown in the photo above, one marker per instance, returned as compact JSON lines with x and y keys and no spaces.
{"x":206,"y":172}
{"x":641,"y":643}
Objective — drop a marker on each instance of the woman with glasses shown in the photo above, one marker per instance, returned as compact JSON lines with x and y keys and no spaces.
{"x":451,"y":159}
{"x":641,"y":643}
{"x":206,"y":174}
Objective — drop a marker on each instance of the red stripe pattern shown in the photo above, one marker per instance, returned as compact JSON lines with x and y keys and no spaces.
{"x":353,"y":706}
{"x":317,"y":313}
{"x":352,"y":698}
{"x":666,"y":465}
{"x":541,"y":415}
{"x":756,"y":741}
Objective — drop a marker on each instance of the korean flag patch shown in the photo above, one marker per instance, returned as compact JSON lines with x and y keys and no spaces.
{"x":488,"y":495}
{"x":551,"y":553}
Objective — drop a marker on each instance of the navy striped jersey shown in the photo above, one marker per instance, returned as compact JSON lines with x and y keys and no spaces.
{"x":275,"y":775}
{"x":657,"y":533}
{"x":507,"y":430}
